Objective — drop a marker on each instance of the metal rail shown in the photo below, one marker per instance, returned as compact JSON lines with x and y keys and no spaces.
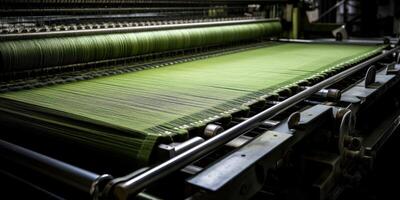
{"x":358,"y":41}
{"x":70,"y":175}
{"x":134,"y":185}
{"x":187,"y":2}
{"x":109,"y":9}
{"x":331,"y":9}
{"x":14,"y":36}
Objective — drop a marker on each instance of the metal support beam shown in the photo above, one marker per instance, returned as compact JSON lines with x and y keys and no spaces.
{"x":134,"y":185}
{"x":70,"y":175}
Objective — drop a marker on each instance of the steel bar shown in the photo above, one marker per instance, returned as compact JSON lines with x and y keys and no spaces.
{"x":70,"y":175}
{"x":331,"y":9}
{"x":134,"y":9}
{"x":332,"y":41}
{"x":134,"y":185}
{"x":169,"y":2}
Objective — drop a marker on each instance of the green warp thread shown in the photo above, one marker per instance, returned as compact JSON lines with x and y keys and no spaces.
{"x":50,"y":52}
{"x":166,"y":102}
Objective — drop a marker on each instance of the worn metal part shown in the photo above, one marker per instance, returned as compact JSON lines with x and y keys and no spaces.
{"x":370,"y":76}
{"x":214,"y":177}
{"x":334,"y":41}
{"x":270,"y":123}
{"x":393,"y":68}
{"x":330,"y":166}
{"x":344,"y":130}
{"x":239,"y":141}
{"x":267,"y":123}
{"x":192,"y":169}
{"x":253,"y":159}
{"x":212,"y":130}
{"x":80,"y":179}
{"x":134,"y":185}
{"x":328,"y":94}
{"x":359,"y":93}
{"x":111,"y":184}
{"x":293,"y":120}
{"x":146,"y":196}
{"x":171,"y":150}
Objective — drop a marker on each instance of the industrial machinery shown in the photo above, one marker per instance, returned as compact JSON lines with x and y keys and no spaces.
{"x":127,"y":99}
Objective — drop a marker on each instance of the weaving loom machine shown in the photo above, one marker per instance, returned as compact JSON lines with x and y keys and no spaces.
{"x":184,"y":106}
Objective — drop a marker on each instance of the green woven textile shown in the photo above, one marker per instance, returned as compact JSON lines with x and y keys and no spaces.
{"x":50,"y":52}
{"x":167,"y":101}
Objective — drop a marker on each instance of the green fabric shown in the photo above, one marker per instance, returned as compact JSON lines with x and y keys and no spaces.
{"x":50,"y":52}
{"x":167,"y":101}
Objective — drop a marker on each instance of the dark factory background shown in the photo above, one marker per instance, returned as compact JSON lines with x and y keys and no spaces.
{"x":368,"y":18}
{"x":372,"y":18}
{"x":199,"y":99}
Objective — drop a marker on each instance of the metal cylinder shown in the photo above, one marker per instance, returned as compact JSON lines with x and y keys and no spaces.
{"x":70,"y":175}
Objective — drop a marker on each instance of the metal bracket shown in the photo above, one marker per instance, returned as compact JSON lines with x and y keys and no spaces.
{"x":329,"y":164}
{"x":267,"y":123}
{"x":293,"y":120}
{"x":109,"y":192}
{"x":360,"y":94}
{"x":392,"y":68}
{"x":227,"y":172}
{"x":370,"y":76}
{"x":346,"y":126}
{"x":171,"y":150}
{"x":98,"y":185}
{"x":244,"y":166}
{"x":239,"y":141}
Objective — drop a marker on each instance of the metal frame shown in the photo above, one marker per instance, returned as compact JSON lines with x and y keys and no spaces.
{"x":77,"y":178}
{"x":134,"y":185}
{"x":231,"y":176}
{"x":235,"y":171}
